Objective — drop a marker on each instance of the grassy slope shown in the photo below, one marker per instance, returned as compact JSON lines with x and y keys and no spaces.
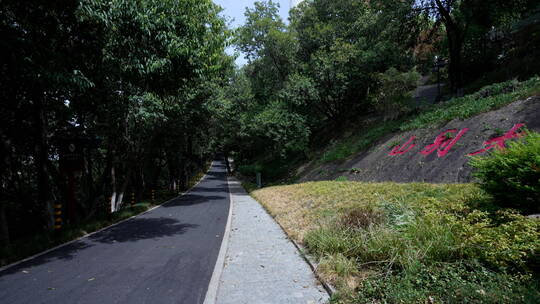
{"x":414,"y":243}
{"x":488,"y":98}
{"x":411,"y":243}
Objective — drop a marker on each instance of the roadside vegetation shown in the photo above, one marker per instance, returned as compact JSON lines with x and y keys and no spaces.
{"x":420,"y":242}
{"x":101,"y":99}
{"x":25,"y":247}
{"x":488,"y":98}
{"x":341,"y":74}
{"x":411,"y":243}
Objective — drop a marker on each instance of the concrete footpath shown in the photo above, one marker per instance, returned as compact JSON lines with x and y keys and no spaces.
{"x":261,"y":264}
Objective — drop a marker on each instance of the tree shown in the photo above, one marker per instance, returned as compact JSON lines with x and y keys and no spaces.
{"x":128,"y":77}
{"x":269,"y":48}
{"x":342,"y":44}
{"x":465,"y":21}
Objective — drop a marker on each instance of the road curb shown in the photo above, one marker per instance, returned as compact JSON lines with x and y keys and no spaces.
{"x":211,"y":292}
{"x":102,"y":229}
{"x":312,"y":264}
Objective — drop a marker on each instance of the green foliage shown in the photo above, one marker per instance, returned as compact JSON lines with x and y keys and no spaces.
{"x":337,"y":264}
{"x":287,"y":130}
{"x":342,"y":45}
{"x":394,"y":96}
{"x":133,"y":79}
{"x":488,"y":98}
{"x":428,"y":240}
{"x":512,"y":175}
{"x":263,"y":117}
{"x":461,"y":282}
{"x":250,"y":170}
{"x":250,"y":187}
{"x":268,"y":46}
{"x":341,"y":179}
{"x":314,"y":74}
{"x":503,"y":240}
{"x":362,"y":140}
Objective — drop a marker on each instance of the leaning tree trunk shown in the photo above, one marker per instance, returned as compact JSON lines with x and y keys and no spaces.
{"x":455,"y":32}
{"x":455,"y":45}
{"x":117,"y":197}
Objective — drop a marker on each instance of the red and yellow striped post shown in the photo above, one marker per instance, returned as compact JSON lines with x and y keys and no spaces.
{"x":153,"y":196}
{"x":57,"y":216}
{"x":132,"y":199}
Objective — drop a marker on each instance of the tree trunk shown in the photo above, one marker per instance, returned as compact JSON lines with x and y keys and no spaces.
{"x":92,"y":203}
{"x":4,"y":229}
{"x":455,"y":45}
{"x":6,"y":181}
{"x":113,"y":187}
{"x":455,"y":33}
{"x":117,"y":197}
{"x":41,"y":158}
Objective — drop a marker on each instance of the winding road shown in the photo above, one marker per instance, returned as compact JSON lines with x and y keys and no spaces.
{"x":166,"y":255}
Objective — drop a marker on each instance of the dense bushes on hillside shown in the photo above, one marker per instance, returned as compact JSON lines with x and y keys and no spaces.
{"x":512,"y":175}
{"x":345,"y":62}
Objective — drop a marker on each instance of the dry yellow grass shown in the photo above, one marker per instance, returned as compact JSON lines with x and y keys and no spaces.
{"x":300,"y":208}
{"x":439,"y":229}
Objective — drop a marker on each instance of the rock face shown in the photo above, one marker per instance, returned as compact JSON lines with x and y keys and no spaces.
{"x":437,"y":155}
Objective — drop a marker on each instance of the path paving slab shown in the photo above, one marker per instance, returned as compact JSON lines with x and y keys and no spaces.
{"x":262,"y":265}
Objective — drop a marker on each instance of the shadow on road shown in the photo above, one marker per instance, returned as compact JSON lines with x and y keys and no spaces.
{"x":220,"y":188}
{"x":193,"y":199}
{"x":149,"y":226}
{"x":133,"y":230}
{"x":141,"y":228}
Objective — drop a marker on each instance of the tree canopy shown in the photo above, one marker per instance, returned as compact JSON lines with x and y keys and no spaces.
{"x":147,"y":93}
{"x":127,"y":79}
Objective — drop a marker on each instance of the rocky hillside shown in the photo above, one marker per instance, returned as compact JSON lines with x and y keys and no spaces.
{"x":437,"y":154}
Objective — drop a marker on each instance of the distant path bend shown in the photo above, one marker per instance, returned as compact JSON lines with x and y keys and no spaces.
{"x":164,"y":256}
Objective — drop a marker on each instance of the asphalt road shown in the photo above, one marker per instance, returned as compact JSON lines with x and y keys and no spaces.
{"x":164,"y":256}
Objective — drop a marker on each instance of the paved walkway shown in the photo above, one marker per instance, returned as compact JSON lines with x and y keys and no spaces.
{"x":426,"y":93}
{"x":262,"y":265}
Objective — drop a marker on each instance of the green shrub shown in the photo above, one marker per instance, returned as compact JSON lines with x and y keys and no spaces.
{"x":488,"y":98}
{"x":395,"y":95}
{"x":249,"y":170}
{"x":505,"y":240}
{"x":512,"y":175}
{"x":448,"y":283}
